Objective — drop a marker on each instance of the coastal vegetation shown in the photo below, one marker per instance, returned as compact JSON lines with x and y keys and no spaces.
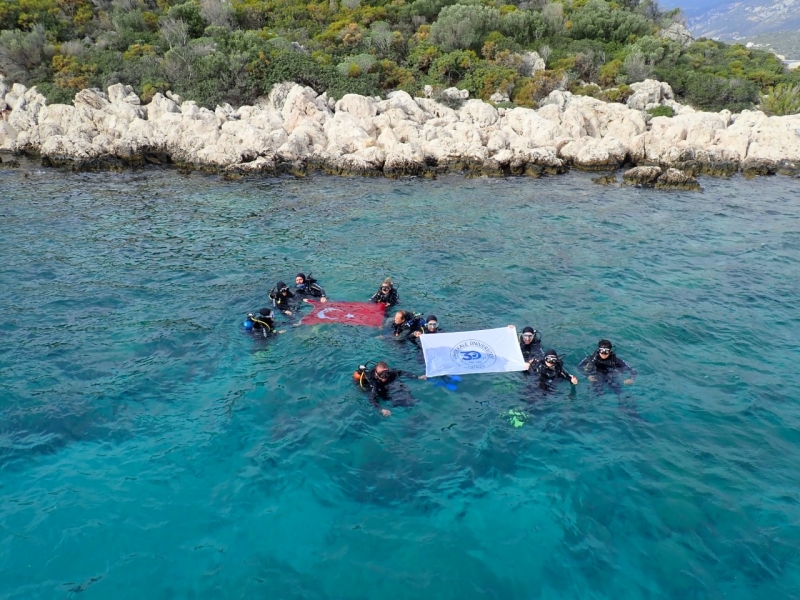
{"x":515,"y":53}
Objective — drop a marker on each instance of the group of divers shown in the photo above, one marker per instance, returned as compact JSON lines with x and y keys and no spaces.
{"x":547,"y":367}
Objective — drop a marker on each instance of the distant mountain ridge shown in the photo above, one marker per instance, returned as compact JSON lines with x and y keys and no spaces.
{"x":736,"y":20}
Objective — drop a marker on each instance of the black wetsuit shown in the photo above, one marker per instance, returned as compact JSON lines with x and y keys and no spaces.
{"x":379,"y":389}
{"x":406,"y":329}
{"x":606,"y":366}
{"x":605,"y":371}
{"x":310,"y":290}
{"x":263,"y":323}
{"x":549,"y":375}
{"x":389,"y":298}
{"x":283,"y":302}
{"x":532,"y":351}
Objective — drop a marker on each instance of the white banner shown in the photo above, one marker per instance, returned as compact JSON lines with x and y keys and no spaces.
{"x":486,"y":351}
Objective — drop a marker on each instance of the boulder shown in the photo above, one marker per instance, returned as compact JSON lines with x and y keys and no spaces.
{"x":358,"y":106}
{"x":644,"y":176}
{"x":455,"y":93}
{"x":649,"y":93}
{"x":119,"y":93}
{"x":673,"y":179}
{"x":677,"y":33}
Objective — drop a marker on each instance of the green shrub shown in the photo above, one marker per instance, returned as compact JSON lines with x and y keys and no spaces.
{"x":661,"y":111}
{"x":464,"y":26}
{"x":451,"y":68}
{"x":783,"y":99}
{"x":597,"y":20}
{"x":523,"y":26}
{"x":488,"y":79}
{"x":23,"y":54}
{"x":617,"y":94}
{"x":190,"y":13}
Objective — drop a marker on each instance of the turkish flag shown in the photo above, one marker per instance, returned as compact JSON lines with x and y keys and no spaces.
{"x":352,"y":313}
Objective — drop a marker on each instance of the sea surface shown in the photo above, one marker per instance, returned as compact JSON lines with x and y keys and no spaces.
{"x":150,"y":448}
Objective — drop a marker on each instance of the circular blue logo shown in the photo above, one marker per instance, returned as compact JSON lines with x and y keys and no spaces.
{"x":473,"y":354}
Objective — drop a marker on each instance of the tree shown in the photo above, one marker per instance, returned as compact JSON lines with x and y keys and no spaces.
{"x":463,"y":26}
{"x":598,"y":21}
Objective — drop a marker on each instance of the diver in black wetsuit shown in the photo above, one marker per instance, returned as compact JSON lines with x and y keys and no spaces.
{"x":262,"y":324}
{"x":307,"y":287}
{"x":282,"y":298}
{"x":431,"y":326}
{"x":407,"y":324}
{"x":551,"y":369}
{"x":387,"y":294}
{"x":377,"y":379}
{"x":530,"y":342}
{"x":604,"y":364}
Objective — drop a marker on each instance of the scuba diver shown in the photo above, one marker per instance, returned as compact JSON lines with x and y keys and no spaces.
{"x":262,"y":324}
{"x":604,"y":363}
{"x":387,"y":294}
{"x":550,"y":369}
{"x":376,"y":381}
{"x":407,"y":324}
{"x":282,"y":298}
{"x":530,"y":342}
{"x":431,"y":326}
{"x":306,"y":285}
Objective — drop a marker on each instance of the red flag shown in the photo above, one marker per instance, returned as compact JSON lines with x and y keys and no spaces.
{"x":352,"y":313}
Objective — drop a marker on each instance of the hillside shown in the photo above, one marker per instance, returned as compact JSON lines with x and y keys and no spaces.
{"x":741,"y":19}
{"x":234,"y":51}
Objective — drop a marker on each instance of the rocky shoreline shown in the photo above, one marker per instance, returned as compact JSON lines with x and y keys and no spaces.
{"x":294,"y":130}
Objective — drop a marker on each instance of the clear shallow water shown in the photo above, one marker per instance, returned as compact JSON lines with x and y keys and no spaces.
{"x":148,"y":448}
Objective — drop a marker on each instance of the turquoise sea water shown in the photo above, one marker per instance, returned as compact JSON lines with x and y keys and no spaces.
{"x":150,"y":449}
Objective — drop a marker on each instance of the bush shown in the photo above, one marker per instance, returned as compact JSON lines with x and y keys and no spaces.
{"x":22,"y":54}
{"x":598,"y":21}
{"x":661,"y":111}
{"x":523,"y":26}
{"x":636,"y":67}
{"x":191,"y":14}
{"x":464,"y":26}
{"x":783,"y":99}
{"x":486,"y":80}
{"x":530,"y":90}
{"x":711,"y":92}
{"x":453,"y":67}
{"x":617,"y":94}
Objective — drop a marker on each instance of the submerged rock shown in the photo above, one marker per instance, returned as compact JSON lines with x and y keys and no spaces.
{"x":665,"y":179}
{"x":673,"y":179}
{"x":605,"y":179}
{"x":644,"y":176}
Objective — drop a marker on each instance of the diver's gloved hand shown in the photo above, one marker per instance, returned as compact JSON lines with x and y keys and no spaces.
{"x":573,"y":380}
{"x":386,"y":412}
{"x":628,"y":381}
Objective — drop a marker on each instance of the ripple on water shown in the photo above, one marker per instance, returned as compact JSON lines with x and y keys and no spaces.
{"x":148,"y":445}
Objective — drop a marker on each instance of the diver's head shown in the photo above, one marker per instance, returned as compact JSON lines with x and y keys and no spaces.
{"x":266,"y":313}
{"x":550,"y":358}
{"x":387,"y":286}
{"x":401,"y":316}
{"x":382,"y":371}
{"x":528,"y":335}
{"x":604,"y":348}
{"x":300,"y":280}
{"x":282,"y":288}
{"x":431,"y":323}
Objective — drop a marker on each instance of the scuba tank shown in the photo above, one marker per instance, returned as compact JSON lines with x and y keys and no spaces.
{"x":360,"y":374}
